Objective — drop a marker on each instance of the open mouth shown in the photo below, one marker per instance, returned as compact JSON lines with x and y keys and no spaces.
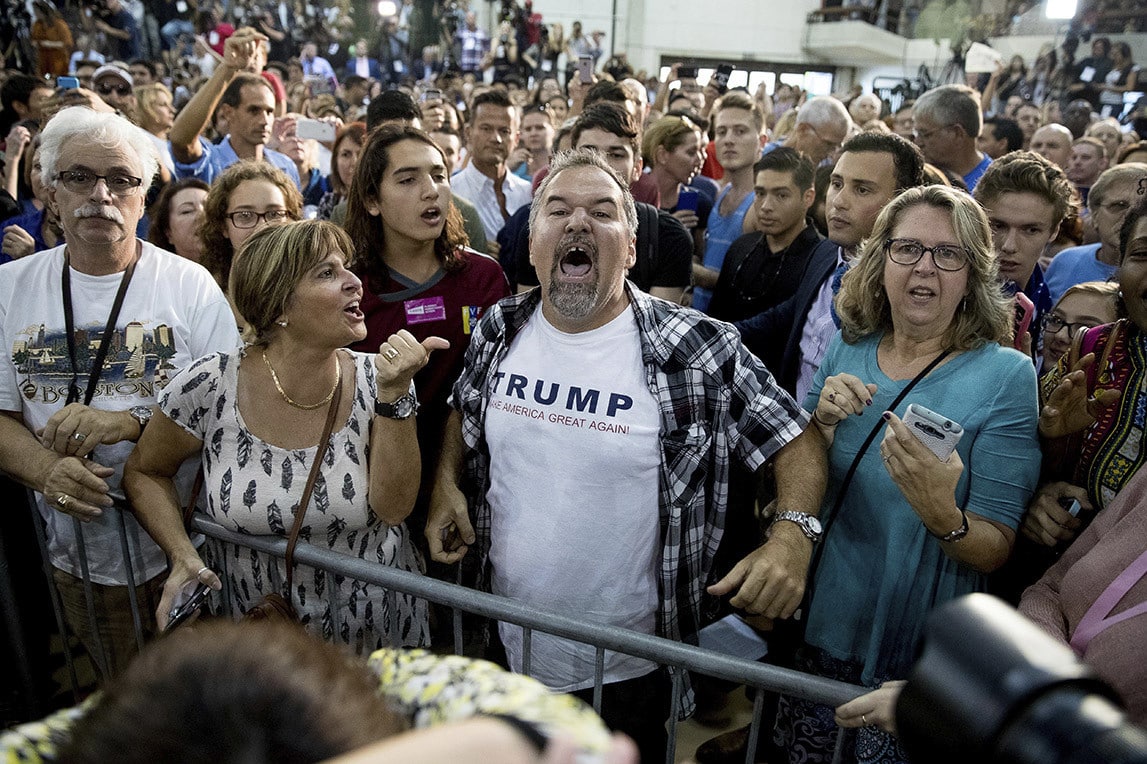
{"x":922,"y":293}
{"x":576,"y":262}
{"x":432,"y":215}
{"x":354,"y":311}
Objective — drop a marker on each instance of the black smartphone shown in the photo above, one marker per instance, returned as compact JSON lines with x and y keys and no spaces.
{"x":687,"y":72}
{"x":721,"y":77}
{"x":188,"y":606}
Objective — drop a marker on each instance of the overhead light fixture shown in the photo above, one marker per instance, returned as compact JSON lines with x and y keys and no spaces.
{"x":1061,"y":9}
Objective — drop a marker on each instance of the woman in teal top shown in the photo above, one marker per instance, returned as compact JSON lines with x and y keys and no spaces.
{"x":914,"y":531}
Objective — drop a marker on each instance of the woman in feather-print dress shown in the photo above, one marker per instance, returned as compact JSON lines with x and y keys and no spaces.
{"x":242,"y":412}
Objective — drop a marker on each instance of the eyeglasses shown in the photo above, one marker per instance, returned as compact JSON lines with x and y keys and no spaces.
{"x":1053,"y":323}
{"x":909,"y":252}
{"x":123,"y":90}
{"x":826,"y":141}
{"x":83,"y":181}
{"x":926,"y":134}
{"x":250,"y":218}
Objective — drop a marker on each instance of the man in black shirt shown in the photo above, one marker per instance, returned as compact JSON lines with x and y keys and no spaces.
{"x":763,"y":268}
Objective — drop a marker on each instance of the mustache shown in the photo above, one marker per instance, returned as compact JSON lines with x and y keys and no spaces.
{"x":99,"y":211}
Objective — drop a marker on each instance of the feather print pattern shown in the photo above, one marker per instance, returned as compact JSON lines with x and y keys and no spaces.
{"x":255,"y":486}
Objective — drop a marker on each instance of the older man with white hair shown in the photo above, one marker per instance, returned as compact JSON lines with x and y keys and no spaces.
{"x":89,"y":334}
{"x":821,"y":128}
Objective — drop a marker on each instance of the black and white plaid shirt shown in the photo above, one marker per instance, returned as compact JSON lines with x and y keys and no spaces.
{"x":716,"y":401}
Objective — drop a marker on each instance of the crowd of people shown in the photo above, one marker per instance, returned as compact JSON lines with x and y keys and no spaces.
{"x":640,"y":352}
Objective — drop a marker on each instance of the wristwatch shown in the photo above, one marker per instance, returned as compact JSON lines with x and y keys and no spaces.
{"x":957,"y":534}
{"x":808,"y":524}
{"x":403,"y":408}
{"x":141,"y":414}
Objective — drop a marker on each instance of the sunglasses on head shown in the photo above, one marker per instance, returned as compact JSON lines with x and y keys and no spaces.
{"x":121,"y":89}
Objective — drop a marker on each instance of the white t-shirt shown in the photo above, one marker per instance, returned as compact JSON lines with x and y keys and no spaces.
{"x":573,"y":431}
{"x":173,"y":312}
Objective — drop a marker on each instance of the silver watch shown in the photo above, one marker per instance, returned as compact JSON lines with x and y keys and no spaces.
{"x":141,"y":414}
{"x":808,"y":524}
{"x":403,"y":408}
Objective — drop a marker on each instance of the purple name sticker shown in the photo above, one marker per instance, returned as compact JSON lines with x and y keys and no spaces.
{"x":422,"y":311}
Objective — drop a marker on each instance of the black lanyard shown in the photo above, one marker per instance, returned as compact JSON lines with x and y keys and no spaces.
{"x":105,"y":341}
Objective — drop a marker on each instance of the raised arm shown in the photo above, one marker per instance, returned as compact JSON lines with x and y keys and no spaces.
{"x":238,"y":52}
{"x":395,"y":460}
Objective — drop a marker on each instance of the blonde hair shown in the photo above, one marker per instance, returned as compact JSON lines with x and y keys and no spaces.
{"x":146,"y":95}
{"x":270,"y":265}
{"x":669,"y":133}
{"x":983,"y":317}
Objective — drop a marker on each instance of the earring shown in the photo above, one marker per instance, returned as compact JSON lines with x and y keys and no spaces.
{"x":282,"y":323}
{"x":963,"y":304}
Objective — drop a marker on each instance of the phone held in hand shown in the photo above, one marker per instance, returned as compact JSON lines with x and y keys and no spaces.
{"x":323,"y":132}
{"x":67,"y":83}
{"x":687,"y":72}
{"x":191,"y":598}
{"x":687,"y":199}
{"x":938,"y":433}
{"x":721,"y":77}
{"x":1025,"y":309}
{"x":585,"y":69}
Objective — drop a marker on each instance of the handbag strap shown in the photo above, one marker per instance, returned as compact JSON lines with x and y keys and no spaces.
{"x":300,"y":513}
{"x":827,"y":521}
{"x":876,"y":429}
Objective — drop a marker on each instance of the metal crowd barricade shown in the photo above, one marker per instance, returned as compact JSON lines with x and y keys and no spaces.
{"x":463,"y":599}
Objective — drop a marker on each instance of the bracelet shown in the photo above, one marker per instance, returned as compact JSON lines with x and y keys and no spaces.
{"x":823,"y":423}
{"x":955,"y":535}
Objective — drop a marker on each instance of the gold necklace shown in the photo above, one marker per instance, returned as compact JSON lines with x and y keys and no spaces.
{"x":305,"y":406}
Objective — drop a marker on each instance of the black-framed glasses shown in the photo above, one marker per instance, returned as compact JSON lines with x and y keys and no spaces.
{"x":1053,"y":323}
{"x":947,"y":257}
{"x":123,"y":90}
{"x":83,"y":181}
{"x":250,"y":218}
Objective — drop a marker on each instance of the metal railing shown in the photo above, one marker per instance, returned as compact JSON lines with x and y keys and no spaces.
{"x":461,"y":599}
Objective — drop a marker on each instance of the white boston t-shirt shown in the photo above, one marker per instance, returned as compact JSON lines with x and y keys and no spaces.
{"x":173,"y":312}
{"x":573,"y":434}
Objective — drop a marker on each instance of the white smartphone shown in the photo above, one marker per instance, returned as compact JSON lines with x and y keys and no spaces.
{"x":323,"y":132}
{"x":937,"y":432}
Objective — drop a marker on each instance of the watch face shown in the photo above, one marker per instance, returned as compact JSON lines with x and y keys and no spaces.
{"x":404,"y":407}
{"x":814,"y":525}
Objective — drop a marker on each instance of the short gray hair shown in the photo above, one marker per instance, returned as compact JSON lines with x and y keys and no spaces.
{"x":823,"y":111}
{"x":584,"y":158}
{"x":952,"y":105}
{"x":108,"y":130}
{"x":1120,"y":173}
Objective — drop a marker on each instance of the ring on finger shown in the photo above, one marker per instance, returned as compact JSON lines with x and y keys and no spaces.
{"x":863,"y":720}
{"x":832,"y":397}
{"x":63,"y":500}
{"x":79,"y":437}
{"x":390,"y":354}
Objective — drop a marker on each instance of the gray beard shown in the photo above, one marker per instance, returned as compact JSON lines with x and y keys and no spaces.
{"x":573,"y":301}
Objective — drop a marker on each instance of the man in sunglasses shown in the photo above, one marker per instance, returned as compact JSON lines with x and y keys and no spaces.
{"x":89,"y":335}
{"x":114,"y":86}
